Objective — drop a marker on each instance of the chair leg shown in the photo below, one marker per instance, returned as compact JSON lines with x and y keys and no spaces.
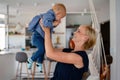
{"x":44,"y":68}
{"x":49,"y":67}
{"x":27,"y":70}
{"x":34,"y":69}
{"x":20,"y":70}
{"x":17,"y":70}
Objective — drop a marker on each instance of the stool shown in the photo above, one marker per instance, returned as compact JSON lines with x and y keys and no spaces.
{"x":34,"y":69}
{"x":49,"y":65}
{"x":21,"y":57}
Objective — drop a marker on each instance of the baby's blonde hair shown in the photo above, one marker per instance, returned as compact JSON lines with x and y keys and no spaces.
{"x":59,"y":7}
{"x":91,"y":33}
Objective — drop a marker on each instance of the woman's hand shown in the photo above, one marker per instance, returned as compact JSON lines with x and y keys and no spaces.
{"x":45,"y":29}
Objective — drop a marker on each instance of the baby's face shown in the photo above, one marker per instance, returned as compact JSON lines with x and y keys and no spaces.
{"x":60,"y":15}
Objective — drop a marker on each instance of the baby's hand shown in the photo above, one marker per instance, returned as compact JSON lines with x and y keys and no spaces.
{"x":56,"y":23}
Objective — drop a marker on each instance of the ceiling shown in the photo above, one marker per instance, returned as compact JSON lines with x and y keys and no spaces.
{"x":26,"y":9}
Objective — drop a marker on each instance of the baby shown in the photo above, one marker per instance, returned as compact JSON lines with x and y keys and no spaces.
{"x":51,"y":19}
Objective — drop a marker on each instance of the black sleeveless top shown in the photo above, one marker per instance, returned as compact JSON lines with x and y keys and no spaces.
{"x":64,"y":71}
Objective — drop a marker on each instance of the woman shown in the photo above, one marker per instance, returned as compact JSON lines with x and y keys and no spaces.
{"x":72,"y":63}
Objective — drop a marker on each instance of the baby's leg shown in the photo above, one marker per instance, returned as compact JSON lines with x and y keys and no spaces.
{"x":39,"y":54}
{"x":38,"y":42}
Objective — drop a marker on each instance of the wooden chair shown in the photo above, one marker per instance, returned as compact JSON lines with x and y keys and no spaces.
{"x":34,"y":70}
{"x":21,"y":57}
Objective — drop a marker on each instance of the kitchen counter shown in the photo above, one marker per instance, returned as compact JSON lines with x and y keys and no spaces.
{"x":8,"y":63}
{"x":13,"y":51}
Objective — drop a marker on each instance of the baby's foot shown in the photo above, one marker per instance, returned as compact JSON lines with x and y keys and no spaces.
{"x":29,"y":63}
{"x":39,"y":65}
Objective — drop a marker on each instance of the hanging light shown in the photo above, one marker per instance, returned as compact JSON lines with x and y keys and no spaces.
{"x":36,"y":4}
{"x":53,"y":4}
{"x":85,"y":10}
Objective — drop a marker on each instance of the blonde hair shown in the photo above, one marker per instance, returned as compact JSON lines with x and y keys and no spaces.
{"x":59,"y":7}
{"x":91,"y":33}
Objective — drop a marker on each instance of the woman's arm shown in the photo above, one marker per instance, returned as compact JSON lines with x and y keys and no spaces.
{"x":59,"y":56}
{"x":58,"y":49}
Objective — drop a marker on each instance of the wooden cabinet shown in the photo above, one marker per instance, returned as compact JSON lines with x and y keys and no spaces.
{"x":16,"y":36}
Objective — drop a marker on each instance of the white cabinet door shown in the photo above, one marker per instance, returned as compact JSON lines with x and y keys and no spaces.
{"x":59,"y":37}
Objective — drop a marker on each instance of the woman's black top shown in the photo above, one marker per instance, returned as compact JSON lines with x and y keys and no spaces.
{"x":64,"y":71}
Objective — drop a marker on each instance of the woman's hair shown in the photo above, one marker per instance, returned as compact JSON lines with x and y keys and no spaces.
{"x":91,"y":33}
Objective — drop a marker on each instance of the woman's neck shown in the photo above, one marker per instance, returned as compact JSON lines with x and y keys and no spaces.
{"x":79,"y":47}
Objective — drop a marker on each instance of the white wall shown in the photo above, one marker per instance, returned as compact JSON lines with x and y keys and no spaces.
{"x":77,"y":18}
{"x":115,"y":38}
{"x":103,"y":11}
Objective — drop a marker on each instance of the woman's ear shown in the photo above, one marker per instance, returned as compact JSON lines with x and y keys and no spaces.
{"x":86,"y":38}
{"x":71,"y":44}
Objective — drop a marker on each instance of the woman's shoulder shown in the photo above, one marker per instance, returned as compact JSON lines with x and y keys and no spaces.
{"x":83,"y":54}
{"x":67,"y":50}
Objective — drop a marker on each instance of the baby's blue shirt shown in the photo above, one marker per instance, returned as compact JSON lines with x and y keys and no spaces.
{"x":47,"y":19}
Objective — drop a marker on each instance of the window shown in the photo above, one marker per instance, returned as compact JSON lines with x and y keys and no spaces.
{"x":2,"y":36}
{"x":2,"y":31}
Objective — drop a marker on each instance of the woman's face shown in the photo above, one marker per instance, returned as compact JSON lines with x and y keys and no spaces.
{"x":80,"y":34}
